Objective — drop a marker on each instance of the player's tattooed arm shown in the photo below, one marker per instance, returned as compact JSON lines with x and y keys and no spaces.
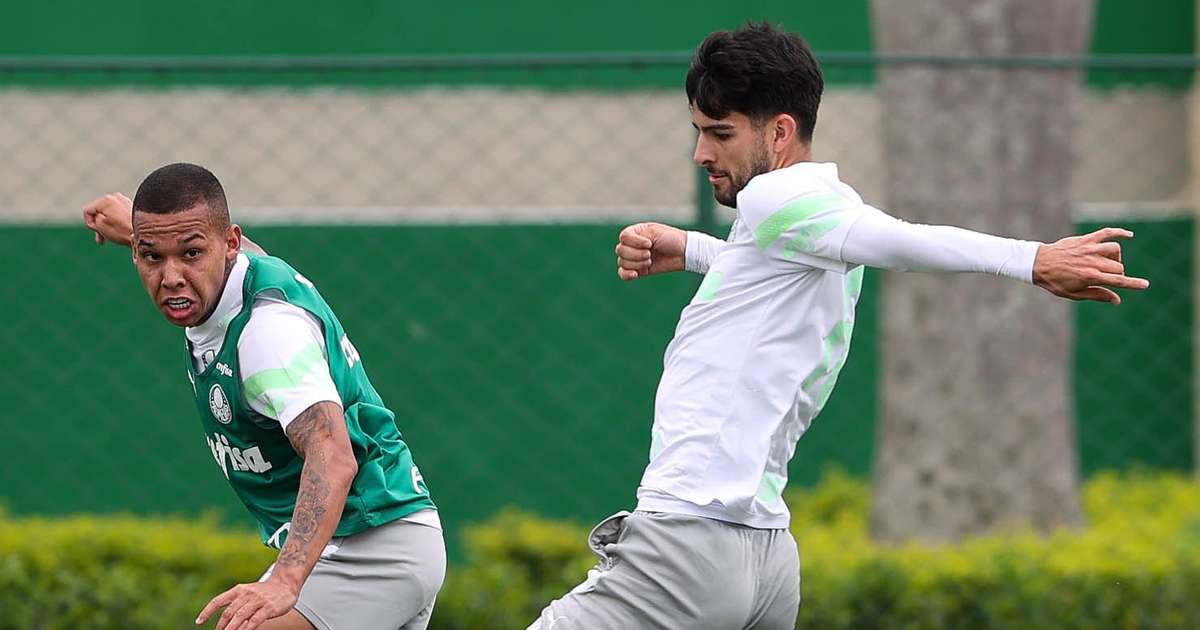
{"x":319,"y":436}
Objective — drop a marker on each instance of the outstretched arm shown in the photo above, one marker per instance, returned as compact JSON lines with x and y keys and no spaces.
{"x":646,"y":249}
{"x":319,"y":436}
{"x":111,"y":218}
{"x":1079,"y":267}
{"x":875,"y":239}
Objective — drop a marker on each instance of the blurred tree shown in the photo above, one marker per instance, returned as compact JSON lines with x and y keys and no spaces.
{"x":977,"y":429}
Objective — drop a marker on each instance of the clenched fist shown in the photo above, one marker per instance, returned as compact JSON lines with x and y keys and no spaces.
{"x":111,"y":218}
{"x":645,"y":249}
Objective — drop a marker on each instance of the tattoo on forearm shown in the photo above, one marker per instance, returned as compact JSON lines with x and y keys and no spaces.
{"x":310,"y":507}
{"x":313,"y":497}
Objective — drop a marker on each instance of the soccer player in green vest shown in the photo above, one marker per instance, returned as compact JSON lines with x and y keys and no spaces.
{"x":289,"y":415}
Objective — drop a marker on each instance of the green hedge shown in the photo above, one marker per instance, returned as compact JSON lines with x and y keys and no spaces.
{"x":118,"y":572}
{"x":1136,"y":565}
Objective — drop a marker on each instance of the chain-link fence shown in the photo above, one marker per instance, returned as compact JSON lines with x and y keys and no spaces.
{"x":459,"y":215}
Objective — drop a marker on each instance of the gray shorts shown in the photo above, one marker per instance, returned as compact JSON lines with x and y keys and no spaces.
{"x":672,"y":571}
{"x":385,"y":578}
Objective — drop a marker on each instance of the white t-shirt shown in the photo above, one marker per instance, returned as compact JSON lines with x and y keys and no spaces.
{"x":758,"y":350}
{"x":279,"y":338}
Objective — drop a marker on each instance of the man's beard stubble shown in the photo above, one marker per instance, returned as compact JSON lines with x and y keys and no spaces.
{"x":760,"y":162}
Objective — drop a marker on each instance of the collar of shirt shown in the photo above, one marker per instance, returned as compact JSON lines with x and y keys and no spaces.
{"x":761,"y":185}
{"x":230,"y":305}
{"x":824,"y":170}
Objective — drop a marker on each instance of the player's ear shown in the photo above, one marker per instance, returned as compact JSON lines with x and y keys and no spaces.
{"x":783,"y":130}
{"x":233,"y":241}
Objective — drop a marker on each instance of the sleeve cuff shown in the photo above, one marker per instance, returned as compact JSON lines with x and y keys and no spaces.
{"x":1019,"y":266}
{"x":700,"y":251}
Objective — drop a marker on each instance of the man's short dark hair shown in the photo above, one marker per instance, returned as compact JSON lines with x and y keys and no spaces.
{"x":757,"y":70}
{"x":179,"y":187}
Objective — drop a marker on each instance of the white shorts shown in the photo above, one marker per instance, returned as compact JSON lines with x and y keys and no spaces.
{"x":672,"y":571}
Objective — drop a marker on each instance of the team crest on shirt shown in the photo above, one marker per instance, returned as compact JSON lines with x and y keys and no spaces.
{"x":219,"y":404}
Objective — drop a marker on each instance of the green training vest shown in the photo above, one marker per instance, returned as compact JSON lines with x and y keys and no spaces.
{"x":252,"y":450}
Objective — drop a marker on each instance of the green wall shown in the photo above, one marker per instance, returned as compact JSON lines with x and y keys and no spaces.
{"x":521,"y":371}
{"x":1140,"y":27}
{"x":1134,"y":385}
{"x":307,"y":27}
{"x":140,"y":28}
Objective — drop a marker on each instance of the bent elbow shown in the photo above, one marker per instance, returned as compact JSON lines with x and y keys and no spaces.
{"x":344,"y":467}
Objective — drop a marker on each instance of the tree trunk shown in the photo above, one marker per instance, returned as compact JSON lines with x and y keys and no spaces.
{"x":977,"y":431}
{"x":1194,"y":189}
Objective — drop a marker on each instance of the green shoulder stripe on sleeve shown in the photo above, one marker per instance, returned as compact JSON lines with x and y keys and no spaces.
{"x":290,"y":375}
{"x":788,"y":216}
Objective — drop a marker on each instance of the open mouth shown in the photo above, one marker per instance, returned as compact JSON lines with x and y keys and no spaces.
{"x":178,"y":305}
{"x":180,"y":310}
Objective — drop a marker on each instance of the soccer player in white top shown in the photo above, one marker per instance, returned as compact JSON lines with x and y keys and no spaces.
{"x":757,"y":351}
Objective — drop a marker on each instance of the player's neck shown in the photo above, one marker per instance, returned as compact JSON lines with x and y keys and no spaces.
{"x":220,"y":295}
{"x":794,"y":155}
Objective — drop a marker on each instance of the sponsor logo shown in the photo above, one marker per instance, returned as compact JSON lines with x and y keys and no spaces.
{"x":224,"y":369}
{"x":244,"y":460}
